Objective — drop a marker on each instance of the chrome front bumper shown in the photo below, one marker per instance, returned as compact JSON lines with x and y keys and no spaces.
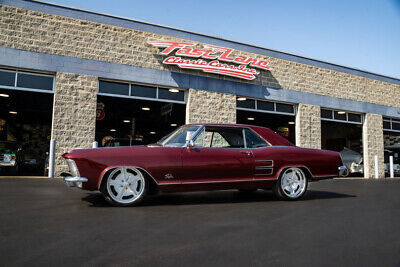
{"x":75,"y":181}
{"x":342,"y":170}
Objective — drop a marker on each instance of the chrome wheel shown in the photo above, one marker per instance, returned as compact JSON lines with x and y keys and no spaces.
{"x":293,"y":183}
{"x":125,"y":185}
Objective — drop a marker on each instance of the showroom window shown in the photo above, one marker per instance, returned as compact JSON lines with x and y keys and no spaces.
{"x":243,"y":103}
{"x":15,"y":79}
{"x":277,"y":116}
{"x":391,"y":124}
{"x":340,"y":116}
{"x":144,"y":92}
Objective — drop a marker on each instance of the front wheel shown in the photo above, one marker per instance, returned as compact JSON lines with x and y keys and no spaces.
{"x":292,"y":184}
{"x":125,"y":186}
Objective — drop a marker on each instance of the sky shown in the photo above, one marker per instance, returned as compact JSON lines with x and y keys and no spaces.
{"x":362,"y":34}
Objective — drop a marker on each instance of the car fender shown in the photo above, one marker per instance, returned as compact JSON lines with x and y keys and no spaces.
{"x":308,"y":172}
{"x":100,"y":180}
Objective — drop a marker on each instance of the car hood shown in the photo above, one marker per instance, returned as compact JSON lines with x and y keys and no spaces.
{"x":111,"y":151}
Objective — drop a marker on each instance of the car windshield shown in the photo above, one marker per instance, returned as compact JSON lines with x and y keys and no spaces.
{"x":179,"y":137}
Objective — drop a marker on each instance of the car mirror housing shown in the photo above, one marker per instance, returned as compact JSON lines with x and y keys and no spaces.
{"x":190,"y":144}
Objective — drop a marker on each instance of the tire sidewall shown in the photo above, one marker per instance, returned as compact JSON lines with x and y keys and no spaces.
{"x":278,"y":186}
{"x":110,"y":200}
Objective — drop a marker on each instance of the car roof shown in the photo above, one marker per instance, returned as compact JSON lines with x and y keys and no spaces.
{"x":272,"y":137}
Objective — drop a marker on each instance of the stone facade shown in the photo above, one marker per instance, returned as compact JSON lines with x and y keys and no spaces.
{"x":210,"y":107}
{"x":74,"y":114}
{"x":308,"y":126}
{"x":373,"y":145}
{"x":52,"y":34}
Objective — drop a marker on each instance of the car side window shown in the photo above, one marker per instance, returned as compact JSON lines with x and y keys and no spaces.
{"x":220,"y":137}
{"x":203,"y":139}
{"x":253,"y":140}
{"x":218,"y":140}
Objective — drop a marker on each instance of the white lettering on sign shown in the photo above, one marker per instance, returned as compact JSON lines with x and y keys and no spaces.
{"x":215,"y":54}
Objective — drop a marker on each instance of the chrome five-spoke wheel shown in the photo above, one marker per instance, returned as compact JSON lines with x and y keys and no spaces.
{"x":292,"y":184}
{"x":125,"y":186}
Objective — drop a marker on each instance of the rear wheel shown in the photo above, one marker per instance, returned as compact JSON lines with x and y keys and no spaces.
{"x":292,"y":184}
{"x":125,"y":186}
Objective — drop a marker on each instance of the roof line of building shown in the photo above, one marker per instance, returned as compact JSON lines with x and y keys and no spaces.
{"x":67,"y":11}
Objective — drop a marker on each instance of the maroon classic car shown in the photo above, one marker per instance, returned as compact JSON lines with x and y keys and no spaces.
{"x":202,"y":157}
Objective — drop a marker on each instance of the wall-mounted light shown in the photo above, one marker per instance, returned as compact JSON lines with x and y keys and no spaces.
{"x":291,"y":122}
{"x":173,"y":90}
{"x":126,"y":121}
{"x":146,"y":108}
{"x":4,"y":95}
{"x":13,"y":112}
{"x":250,"y":119}
{"x":341,"y":112}
{"x":152,"y":132}
{"x":174,"y":124}
{"x":241,"y":99}
{"x":113,"y":130}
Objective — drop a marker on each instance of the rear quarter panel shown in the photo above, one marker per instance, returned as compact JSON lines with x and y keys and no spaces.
{"x":321,"y":163}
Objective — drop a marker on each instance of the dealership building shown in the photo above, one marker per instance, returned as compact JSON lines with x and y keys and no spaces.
{"x":76,"y":77}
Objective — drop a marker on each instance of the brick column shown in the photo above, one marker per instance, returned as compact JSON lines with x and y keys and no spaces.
{"x":373,"y":145}
{"x":210,"y":107}
{"x":308,"y":126}
{"x":74,"y":114}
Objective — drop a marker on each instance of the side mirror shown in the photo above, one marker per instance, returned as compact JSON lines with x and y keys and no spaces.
{"x":191,"y":144}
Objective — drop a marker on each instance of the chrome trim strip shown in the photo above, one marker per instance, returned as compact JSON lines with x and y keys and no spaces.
{"x":229,"y":181}
{"x":195,"y":134}
{"x":263,"y":161}
{"x":75,"y":181}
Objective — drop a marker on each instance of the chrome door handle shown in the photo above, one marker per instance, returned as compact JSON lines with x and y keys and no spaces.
{"x":248,"y":153}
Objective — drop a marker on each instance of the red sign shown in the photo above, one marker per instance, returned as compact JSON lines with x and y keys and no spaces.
{"x":100,"y":112}
{"x":213,"y":53}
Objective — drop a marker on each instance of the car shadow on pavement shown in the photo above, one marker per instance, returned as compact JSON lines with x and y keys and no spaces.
{"x":215,"y":197}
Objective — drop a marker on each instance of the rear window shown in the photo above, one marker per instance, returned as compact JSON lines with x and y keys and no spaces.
{"x":253,"y":140}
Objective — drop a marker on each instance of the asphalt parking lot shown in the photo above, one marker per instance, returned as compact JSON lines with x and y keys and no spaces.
{"x":339,"y":223}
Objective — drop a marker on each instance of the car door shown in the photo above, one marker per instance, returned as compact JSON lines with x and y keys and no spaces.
{"x":218,"y":155}
{"x":263,"y":158}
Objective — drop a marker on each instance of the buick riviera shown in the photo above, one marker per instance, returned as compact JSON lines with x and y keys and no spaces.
{"x":202,"y":157}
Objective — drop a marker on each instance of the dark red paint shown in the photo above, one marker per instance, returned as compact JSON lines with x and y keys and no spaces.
{"x":188,"y":169}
